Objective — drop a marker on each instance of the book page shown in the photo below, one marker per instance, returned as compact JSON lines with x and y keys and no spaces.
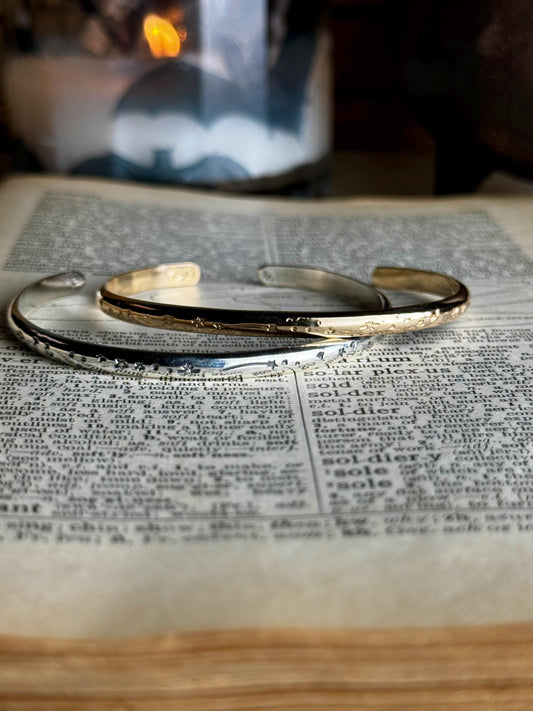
{"x":391,"y":490}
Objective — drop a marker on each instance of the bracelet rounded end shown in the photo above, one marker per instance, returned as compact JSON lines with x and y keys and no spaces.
{"x":65,"y":280}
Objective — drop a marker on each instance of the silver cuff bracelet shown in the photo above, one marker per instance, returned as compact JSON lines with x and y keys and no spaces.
{"x":163,"y":365}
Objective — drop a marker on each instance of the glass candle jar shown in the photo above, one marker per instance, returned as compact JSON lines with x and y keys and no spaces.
{"x":218,"y":93}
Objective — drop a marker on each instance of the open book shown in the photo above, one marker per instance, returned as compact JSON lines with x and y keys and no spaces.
{"x":394,"y":491}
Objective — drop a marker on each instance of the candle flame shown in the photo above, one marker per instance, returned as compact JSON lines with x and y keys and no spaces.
{"x":163,"y":39}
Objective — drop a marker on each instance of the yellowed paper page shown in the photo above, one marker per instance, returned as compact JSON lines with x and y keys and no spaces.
{"x":391,"y":490}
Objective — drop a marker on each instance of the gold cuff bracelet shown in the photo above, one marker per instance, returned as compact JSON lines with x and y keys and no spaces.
{"x":373,"y":314}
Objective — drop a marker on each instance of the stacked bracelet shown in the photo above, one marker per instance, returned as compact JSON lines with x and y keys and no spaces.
{"x":372,"y":315}
{"x":159,"y":364}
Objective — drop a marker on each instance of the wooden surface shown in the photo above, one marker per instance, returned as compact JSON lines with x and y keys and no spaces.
{"x":472,"y":669}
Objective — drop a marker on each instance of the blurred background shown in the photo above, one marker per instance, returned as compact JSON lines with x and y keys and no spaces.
{"x":346,"y":97}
